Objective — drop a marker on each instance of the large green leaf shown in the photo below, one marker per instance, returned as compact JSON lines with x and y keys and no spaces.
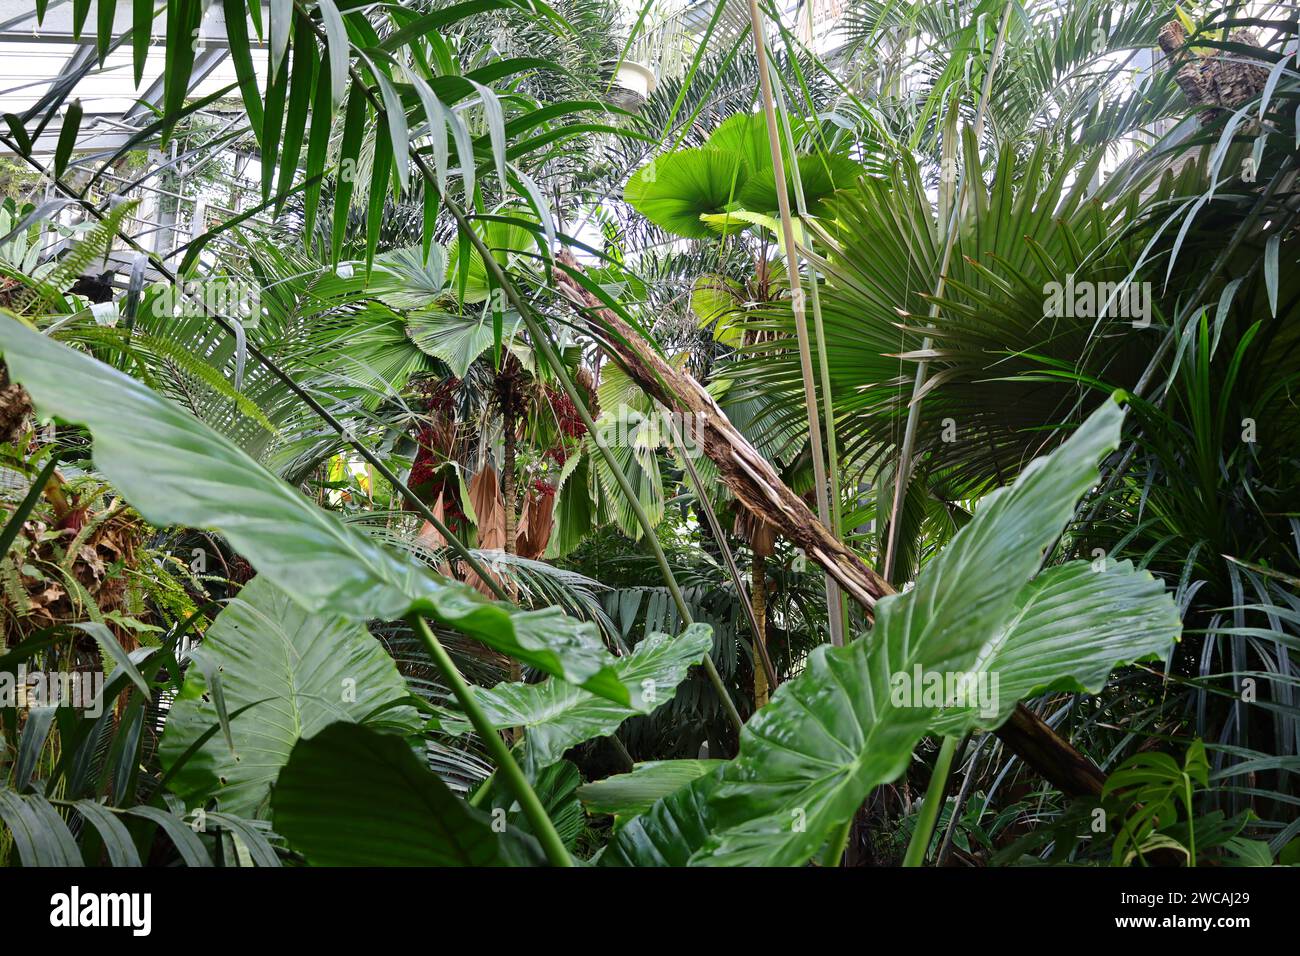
{"x":732,"y":171}
{"x":719,"y":303}
{"x":810,"y":757}
{"x":36,"y":830}
{"x":350,"y":796}
{"x":407,"y":278}
{"x":1072,"y":626}
{"x":745,"y":135}
{"x":301,"y":671}
{"x":670,"y":831}
{"x":176,"y":470}
{"x":633,"y":440}
{"x":626,"y":795}
{"x":675,"y":189}
{"x":819,"y":177}
{"x":573,"y":508}
{"x":558,"y":716}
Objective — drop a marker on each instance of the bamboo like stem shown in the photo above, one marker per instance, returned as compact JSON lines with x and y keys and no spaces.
{"x":823,"y":360}
{"x":834,"y":602}
{"x":934,"y":798}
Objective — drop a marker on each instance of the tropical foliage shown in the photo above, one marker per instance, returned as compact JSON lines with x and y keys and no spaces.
{"x":838,"y":453}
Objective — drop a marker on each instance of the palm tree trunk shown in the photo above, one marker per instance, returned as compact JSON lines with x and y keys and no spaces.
{"x":509,"y":424}
{"x":758,"y":601}
{"x":508,"y":491}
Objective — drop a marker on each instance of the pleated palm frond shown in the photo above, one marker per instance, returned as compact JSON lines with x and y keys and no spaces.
{"x":1025,"y":231}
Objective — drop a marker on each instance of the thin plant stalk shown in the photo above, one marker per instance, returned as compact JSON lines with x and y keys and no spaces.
{"x":945,"y":845}
{"x":513,"y":776}
{"x":833,"y":601}
{"x":934,"y":797}
{"x":823,"y":360}
{"x":759,"y":647}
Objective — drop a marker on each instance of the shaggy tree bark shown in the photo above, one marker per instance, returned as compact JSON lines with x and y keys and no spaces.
{"x":748,"y":474}
{"x":756,"y":485}
{"x":507,"y":397}
{"x":758,"y":599}
{"x":1215,"y":79}
{"x":15,"y":407}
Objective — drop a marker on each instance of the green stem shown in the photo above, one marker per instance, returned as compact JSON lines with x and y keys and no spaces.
{"x":819,"y":335}
{"x":515,"y":780}
{"x":476,"y":798}
{"x":838,"y":841}
{"x":934,"y":795}
{"x":759,"y":34}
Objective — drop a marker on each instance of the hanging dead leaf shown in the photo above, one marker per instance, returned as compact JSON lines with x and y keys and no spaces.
{"x":490,"y":514}
{"x":535,"y":523}
{"x":489,"y":508}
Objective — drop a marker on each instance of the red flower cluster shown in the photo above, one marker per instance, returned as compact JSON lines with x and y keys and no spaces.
{"x":566,"y":413}
{"x":423,"y":468}
{"x":438,"y":395}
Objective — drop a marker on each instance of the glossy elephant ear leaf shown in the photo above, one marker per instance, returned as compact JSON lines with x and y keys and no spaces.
{"x":557,"y":716}
{"x":810,"y":757}
{"x":1073,"y":625}
{"x":627,"y":795}
{"x":667,"y":834}
{"x":675,"y":189}
{"x":177,"y":471}
{"x":301,"y":671}
{"x":350,"y":796}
